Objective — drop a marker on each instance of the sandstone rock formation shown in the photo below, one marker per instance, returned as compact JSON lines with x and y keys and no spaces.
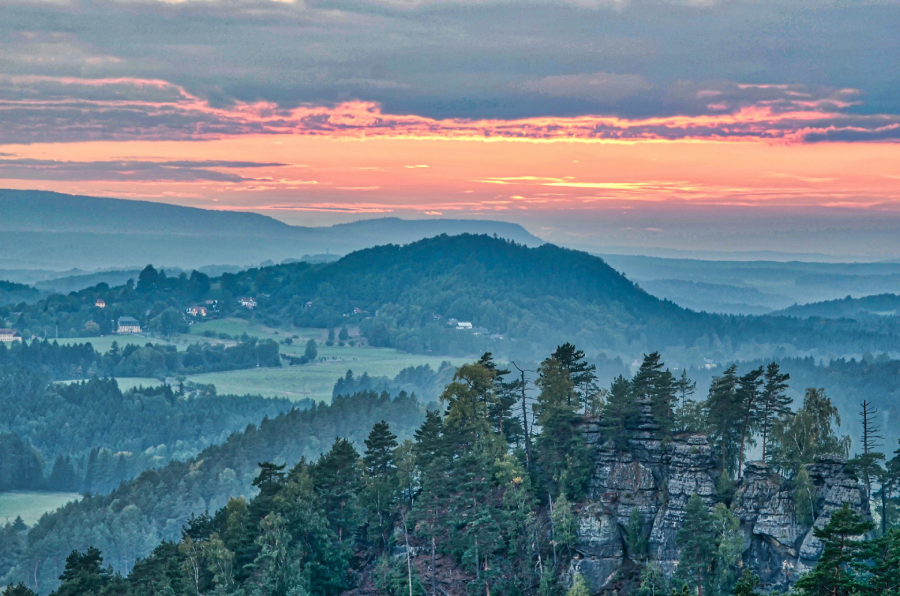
{"x":656,"y":480}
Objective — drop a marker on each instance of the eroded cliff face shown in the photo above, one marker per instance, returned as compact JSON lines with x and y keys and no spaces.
{"x":657,"y":479}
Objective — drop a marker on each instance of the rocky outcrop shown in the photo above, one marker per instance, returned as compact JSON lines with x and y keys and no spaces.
{"x":655,"y":480}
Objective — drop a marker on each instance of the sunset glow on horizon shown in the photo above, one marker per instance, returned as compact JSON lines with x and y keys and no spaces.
{"x":308,"y":141}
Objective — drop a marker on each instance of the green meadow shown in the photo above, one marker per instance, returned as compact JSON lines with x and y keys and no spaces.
{"x":314,"y":381}
{"x":31,"y":505}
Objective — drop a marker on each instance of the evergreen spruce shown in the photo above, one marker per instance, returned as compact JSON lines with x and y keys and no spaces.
{"x":841,"y":570}
{"x":620,"y":413}
{"x":775,"y":403}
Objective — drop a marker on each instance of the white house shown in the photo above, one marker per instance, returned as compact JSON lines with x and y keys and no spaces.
{"x":9,"y":335}
{"x":464,"y":325}
{"x":128,"y":325}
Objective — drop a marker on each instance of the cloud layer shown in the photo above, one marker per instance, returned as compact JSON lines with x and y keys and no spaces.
{"x":66,"y":109}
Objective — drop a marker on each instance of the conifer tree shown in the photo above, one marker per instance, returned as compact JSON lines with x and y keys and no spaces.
{"x":338,"y":481}
{"x":749,"y":393}
{"x":774,"y":403}
{"x":620,"y":413}
{"x":724,"y":418}
{"x":657,"y":387}
{"x":684,"y":389}
{"x":884,"y":571}
{"x":560,"y":447}
{"x":84,"y":574}
{"x":469,"y":398}
{"x":582,"y":373}
{"x":579,"y":587}
{"x":19,"y":590}
{"x":698,"y":546}
{"x":746,"y":585}
{"x":841,"y":569}
{"x":429,"y":439}
{"x":504,"y":397}
{"x":381,"y":487}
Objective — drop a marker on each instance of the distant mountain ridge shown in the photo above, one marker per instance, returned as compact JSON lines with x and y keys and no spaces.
{"x":47,"y":230}
{"x":850,"y":308}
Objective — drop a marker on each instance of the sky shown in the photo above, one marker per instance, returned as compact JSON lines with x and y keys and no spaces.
{"x":717,"y":125}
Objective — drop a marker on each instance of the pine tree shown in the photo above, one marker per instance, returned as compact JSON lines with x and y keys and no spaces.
{"x":579,"y":587}
{"x":504,"y":397}
{"x":582,"y":373}
{"x":469,"y":398}
{"x":684,"y":389}
{"x":840,"y":571}
{"x":84,"y":574}
{"x":653,"y":581}
{"x":657,"y":387}
{"x":430,"y":442}
{"x":724,"y":418}
{"x":19,"y":590}
{"x":884,"y":572}
{"x":774,"y":404}
{"x":560,"y":447}
{"x":697,"y":540}
{"x":381,"y":487}
{"x":338,"y":481}
{"x":620,"y":413}
{"x":746,"y":586}
{"x":749,"y":393}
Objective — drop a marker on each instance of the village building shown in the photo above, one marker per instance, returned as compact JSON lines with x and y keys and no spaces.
{"x":128,"y":325}
{"x":100,"y":303}
{"x":464,"y":325}
{"x":248,"y":303}
{"x":9,"y":335}
{"x":196,"y":311}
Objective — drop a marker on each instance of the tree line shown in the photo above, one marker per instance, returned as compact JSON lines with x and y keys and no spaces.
{"x":82,"y":361}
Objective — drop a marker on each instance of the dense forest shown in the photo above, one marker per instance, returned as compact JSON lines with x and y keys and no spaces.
{"x":82,"y":361}
{"x":15,"y":293}
{"x":131,"y":520}
{"x":520,"y":302}
{"x":482,"y":496}
{"x":90,"y":436}
{"x":875,"y":379}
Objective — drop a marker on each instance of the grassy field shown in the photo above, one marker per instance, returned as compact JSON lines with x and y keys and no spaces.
{"x":31,"y":505}
{"x":314,"y":381}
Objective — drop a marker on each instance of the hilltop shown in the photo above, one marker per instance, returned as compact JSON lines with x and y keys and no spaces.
{"x":519,"y":302}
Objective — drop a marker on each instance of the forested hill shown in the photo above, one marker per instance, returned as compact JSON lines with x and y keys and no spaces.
{"x":851,"y":308}
{"x":46,"y":230}
{"x":525,"y":300}
{"x":519,"y":301}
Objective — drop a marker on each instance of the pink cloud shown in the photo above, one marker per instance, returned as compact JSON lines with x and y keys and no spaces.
{"x":130,"y":108}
